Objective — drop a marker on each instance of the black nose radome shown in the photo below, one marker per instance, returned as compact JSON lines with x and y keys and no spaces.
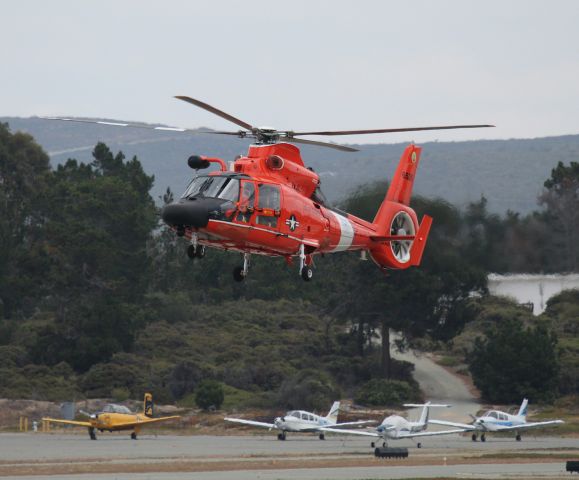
{"x":190,"y":212}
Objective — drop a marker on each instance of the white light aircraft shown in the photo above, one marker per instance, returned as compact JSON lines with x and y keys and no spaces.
{"x":497,"y":421}
{"x":302,"y":421}
{"x":395,"y":427}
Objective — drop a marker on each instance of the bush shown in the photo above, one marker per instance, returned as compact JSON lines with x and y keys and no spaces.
{"x":209,"y":394}
{"x":308,"y":390}
{"x":381,"y":392}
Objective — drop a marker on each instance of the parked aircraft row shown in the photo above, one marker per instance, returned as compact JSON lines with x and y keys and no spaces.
{"x":395,"y":427}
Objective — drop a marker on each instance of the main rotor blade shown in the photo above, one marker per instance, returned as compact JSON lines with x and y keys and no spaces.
{"x":123,"y":124}
{"x":215,"y":111}
{"x":335,"y":146}
{"x":385,"y":130}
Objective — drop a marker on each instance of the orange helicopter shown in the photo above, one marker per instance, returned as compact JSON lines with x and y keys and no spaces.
{"x":269,"y":203}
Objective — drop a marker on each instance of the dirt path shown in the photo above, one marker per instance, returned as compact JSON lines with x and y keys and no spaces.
{"x":441,"y":386}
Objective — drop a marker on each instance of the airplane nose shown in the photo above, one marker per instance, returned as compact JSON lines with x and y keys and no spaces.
{"x":190,"y":212}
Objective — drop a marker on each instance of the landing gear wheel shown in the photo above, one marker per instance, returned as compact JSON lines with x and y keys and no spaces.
{"x":518,"y":438}
{"x":307,"y":273}
{"x":373,"y":444}
{"x":133,"y":436}
{"x":191,"y":251}
{"x":473,"y":437}
{"x":322,"y":436}
{"x":384,"y":444}
{"x":239,"y":276}
{"x":483,"y":438}
{"x":281,"y":436}
{"x":200,"y":253}
{"x":91,"y":434}
{"x":419,"y":445}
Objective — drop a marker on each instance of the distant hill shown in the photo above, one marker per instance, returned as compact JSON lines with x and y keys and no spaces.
{"x":510,"y":173}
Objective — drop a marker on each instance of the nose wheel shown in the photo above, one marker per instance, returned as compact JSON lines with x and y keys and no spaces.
{"x":281,"y":436}
{"x":196,"y":251}
{"x":322,"y":436}
{"x":306,"y":271}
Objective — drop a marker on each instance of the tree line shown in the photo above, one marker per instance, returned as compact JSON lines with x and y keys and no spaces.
{"x":98,"y":299}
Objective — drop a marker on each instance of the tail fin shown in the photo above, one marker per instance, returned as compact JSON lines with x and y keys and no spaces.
{"x":425,"y":410}
{"x":523,"y":409}
{"x":148,"y":405}
{"x":332,"y":415}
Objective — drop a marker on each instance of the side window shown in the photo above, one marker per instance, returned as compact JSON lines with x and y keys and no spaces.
{"x":246,"y":201}
{"x":269,"y":205}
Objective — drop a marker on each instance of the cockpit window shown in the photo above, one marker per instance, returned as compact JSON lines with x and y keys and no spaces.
{"x":493,"y":414}
{"x":319,"y":197}
{"x":112,"y":408}
{"x":226,"y":188}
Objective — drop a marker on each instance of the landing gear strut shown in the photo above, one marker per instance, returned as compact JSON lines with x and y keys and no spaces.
{"x":91,"y":433}
{"x":305,"y":264}
{"x":239,"y":273}
{"x":194,"y":250}
{"x":473,"y":437}
{"x":483,"y":438}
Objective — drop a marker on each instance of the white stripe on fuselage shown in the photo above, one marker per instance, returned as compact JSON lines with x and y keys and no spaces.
{"x":346,"y":233}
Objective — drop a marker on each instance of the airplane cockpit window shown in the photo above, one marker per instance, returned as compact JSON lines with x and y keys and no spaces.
{"x":493,"y":415}
{"x":293,"y":414}
{"x":502,"y":416}
{"x":112,"y":408}
{"x":226,"y":188}
{"x":304,"y":416}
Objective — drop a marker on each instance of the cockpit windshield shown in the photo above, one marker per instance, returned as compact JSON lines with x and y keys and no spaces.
{"x":319,"y":197}
{"x":112,"y":408}
{"x":226,"y":188}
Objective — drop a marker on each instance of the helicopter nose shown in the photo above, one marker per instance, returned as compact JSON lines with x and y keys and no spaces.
{"x":190,"y":212}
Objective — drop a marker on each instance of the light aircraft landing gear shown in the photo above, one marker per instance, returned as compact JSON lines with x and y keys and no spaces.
{"x":305,"y":264}
{"x":239,"y":273}
{"x":134,"y":436}
{"x":322,"y":436}
{"x":419,"y":445}
{"x":281,"y":436}
{"x":518,"y":437}
{"x":373,"y":444}
{"x":483,"y":438}
{"x":473,"y":437}
{"x":194,"y":250}
{"x":91,"y":433}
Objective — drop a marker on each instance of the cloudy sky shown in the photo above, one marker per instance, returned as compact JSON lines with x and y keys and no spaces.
{"x":299,"y":65}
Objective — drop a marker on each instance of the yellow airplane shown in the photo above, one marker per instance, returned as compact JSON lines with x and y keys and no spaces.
{"x":117,"y":417}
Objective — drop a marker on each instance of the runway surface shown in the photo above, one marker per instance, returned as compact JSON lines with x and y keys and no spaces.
{"x":115,"y":456}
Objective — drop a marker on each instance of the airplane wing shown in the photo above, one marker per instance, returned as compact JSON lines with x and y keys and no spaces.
{"x":359,"y":422}
{"x":144,"y":422}
{"x":430,"y":434}
{"x":527,"y":425}
{"x":250,"y":422}
{"x":67,"y":422}
{"x":464,"y":426}
{"x":364,"y":433}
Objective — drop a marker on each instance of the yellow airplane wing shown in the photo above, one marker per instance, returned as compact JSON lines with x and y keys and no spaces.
{"x":67,"y":422}
{"x":145,"y":421}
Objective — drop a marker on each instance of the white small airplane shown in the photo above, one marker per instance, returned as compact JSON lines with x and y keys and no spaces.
{"x":302,"y":421}
{"x":497,"y":421}
{"x":395,"y":427}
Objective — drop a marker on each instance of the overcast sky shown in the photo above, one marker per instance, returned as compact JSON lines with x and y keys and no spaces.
{"x":300,"y":64}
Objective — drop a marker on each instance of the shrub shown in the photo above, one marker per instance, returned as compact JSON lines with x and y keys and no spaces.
{"x":381,"y":392}
{"x":209,"y":394}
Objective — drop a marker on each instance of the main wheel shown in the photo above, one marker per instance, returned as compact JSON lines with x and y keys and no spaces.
{"x":307,"y":273}
{"x":322,"y":437}
{"x":91,"y":434}
{"x":191,"y":251}
{"x":419,"y":445}
{"x":134,"y":436}
{"x":373,"y":444}
{"x":238,"y":275}
{"x":483,"y":438}
{"x":518,"y":438}
{"x":200,"y":253}
{"x":473,"y":437}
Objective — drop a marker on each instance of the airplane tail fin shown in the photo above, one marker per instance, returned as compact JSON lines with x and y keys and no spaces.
{"x":523,"y":409}
{"x":332,"y":415}
{"x":148,"y":405}
{"x":425,"y":409}
{"x":400,"y":241}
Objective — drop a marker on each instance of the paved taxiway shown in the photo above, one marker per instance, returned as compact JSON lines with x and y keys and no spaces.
{"x":75,"y":457}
